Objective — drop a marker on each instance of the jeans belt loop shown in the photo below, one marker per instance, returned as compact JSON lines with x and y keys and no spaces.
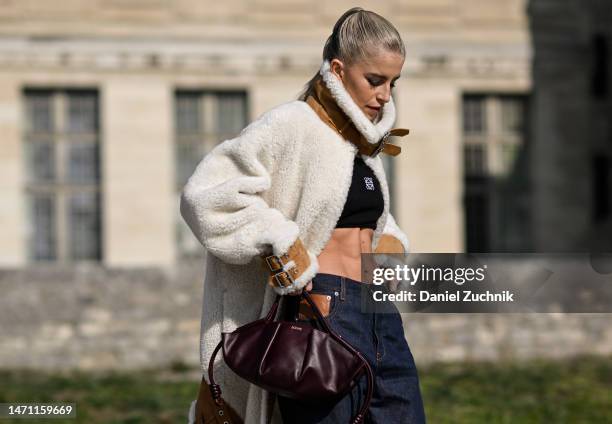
{"x":343,"y":289}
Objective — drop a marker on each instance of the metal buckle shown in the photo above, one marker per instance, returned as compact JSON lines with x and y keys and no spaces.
{"x":287,"y":276}
{"x":274,"y":263}
{"x":381,"y":144}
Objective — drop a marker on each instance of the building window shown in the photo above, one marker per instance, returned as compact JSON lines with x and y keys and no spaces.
{"x":495,"y":172}
{"x":600,"y":67}
{"x":61,"y":150}
{"x":202,"y":120}
{"x":601,"y":177}
{"x":474,"y":114}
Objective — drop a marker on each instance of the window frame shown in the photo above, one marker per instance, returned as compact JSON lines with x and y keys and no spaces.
{"x":204,"y":140}
{"x":61,"y":188}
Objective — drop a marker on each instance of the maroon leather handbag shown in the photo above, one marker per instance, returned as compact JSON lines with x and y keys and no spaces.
{"x":294,"y":359}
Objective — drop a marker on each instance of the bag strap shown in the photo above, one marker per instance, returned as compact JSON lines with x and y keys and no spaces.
{"x":272,"y":312}
{"x":215,"y":389}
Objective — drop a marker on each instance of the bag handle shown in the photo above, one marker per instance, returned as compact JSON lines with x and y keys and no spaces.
{"x":272,"y":312}
{"x":215,"y":389}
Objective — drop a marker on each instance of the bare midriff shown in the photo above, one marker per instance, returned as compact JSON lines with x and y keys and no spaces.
{"x":342,"y":253}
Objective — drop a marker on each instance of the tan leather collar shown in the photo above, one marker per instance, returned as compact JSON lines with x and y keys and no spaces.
{"x":324,"y":104}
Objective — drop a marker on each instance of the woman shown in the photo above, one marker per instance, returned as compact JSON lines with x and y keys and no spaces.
{"x":290,"y":203}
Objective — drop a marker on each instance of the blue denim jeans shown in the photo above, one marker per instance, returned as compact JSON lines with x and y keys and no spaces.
{"x":380,"y":338}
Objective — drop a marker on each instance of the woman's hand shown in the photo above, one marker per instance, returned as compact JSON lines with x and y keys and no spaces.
{"x":299,"y":292}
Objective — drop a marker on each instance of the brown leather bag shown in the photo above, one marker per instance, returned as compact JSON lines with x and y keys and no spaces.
{"x":213,"y":411}
{"x":294,"y":359}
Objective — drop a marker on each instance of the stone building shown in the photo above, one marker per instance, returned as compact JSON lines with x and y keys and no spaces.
{"x":571,"y":164}
{"x":106,"y":106}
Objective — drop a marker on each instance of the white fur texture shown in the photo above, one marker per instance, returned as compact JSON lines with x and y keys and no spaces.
{"x":286,"y":175}
{"x":373,"y":132}
{"x":393,"y":229}
{"x":191,"y":415}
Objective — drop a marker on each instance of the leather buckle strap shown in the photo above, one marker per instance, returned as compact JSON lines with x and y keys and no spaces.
{"x":283,"y":279}
{"x":280,"y":277}
{"x":381,"y":145}
{"x":286,"y":268}
{"x":274,"y":263}
{"x":384,"y":146}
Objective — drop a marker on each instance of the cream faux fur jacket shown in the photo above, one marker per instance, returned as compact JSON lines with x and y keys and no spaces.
{"x":286,"y":175}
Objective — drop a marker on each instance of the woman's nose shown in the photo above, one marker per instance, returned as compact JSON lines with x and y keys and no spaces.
{"x":384,"y":94}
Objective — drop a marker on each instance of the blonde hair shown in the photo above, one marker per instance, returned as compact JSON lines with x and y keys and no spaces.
{"x":358,"y":34}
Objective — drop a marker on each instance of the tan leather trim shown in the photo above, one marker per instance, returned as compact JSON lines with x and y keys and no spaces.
{"x":389,"y":244}
{"x":297,"y":253}
{"x":207,"y":411}
{"x":324,"y":105}
{"x":322,"y":301}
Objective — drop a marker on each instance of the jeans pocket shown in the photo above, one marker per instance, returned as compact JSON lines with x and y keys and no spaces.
{"x":326,"y":301}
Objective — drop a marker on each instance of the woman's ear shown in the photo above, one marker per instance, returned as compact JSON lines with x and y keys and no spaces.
{"x":337,"y":68}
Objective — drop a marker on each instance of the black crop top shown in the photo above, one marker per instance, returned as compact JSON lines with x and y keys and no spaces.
{"x":364,"y":203}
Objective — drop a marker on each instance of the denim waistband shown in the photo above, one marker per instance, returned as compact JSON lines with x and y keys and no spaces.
{"x":356,"y":293}
{"x":332,"y":281}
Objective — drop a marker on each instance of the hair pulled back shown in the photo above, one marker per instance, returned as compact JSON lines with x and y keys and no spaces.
{"x":357,"y":35}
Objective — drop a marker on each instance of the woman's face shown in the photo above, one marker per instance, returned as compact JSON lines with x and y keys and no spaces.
{"x":369,"y":82}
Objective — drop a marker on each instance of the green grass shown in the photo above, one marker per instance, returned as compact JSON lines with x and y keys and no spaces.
{"x":577,"y":390}
{"x":570,"y":391}
{"x":130,"y":398}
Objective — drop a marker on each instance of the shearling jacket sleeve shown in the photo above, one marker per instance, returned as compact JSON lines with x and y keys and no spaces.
{"x":392,"y":229}
{"x":223,"y":205}
{"x":392,"y":241}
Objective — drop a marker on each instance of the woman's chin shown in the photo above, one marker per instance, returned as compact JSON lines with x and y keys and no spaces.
{"x":371,"y":114}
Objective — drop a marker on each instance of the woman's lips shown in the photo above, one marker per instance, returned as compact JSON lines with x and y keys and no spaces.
{"x":375,"y":109}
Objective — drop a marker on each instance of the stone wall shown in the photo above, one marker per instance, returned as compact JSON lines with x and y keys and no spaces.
{"x":92,"y":317}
